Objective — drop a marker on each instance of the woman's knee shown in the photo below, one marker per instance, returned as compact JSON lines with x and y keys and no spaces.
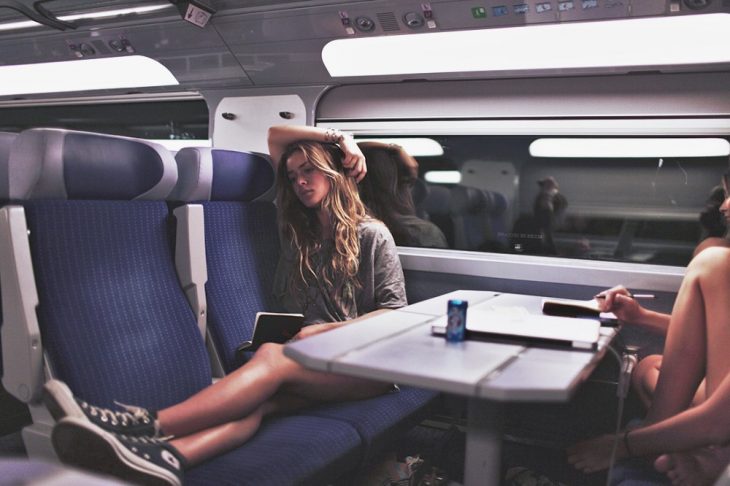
{"x":269,"y":352}
{"x":272,"y":355}
{"x":646,"y":371}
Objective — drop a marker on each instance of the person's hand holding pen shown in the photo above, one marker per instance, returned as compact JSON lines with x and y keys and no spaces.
{"x":622,"y":303}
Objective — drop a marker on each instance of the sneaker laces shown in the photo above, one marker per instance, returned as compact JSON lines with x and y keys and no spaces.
{"x":132,"y":414}
{"x":147,"y":440}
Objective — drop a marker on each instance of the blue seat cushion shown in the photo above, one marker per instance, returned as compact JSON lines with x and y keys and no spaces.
{"x":113,"y":319}
{"x":242,"y":248}
{"x":286,"y":450}
{"x":377,"y":420}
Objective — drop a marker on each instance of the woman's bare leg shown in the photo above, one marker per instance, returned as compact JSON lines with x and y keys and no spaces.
{"x":646,"y":375}
{"x":239,"y":394}
{"x":685,"y":350}
{"x":712,"y":274}
{"x":208,"y":443}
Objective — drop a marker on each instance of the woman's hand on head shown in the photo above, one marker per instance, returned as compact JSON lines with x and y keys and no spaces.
{"x":353,"y":160}
{"x":618,"y":300}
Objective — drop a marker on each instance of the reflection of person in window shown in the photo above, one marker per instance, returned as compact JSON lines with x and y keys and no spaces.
{"x":386,"y":191}
{"x":714,"y":228}
{"x":548,"y":210}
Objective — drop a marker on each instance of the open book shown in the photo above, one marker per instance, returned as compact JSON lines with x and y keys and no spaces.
{"x":574,"y":308}
{"x":272,"y":327}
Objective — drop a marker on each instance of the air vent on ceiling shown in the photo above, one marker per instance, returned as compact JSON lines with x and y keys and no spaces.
{"x":388,"y":21}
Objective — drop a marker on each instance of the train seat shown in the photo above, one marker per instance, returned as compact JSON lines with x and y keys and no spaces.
{"x":420,"y":192}
{"x":241,"y":239}
{"x":242,"y":250}
{"x":436,"y":206}
{"x":6,"y":141}
{"x":111,"y":316}
{"x":95,"y":264}
{"x":478,"y":218}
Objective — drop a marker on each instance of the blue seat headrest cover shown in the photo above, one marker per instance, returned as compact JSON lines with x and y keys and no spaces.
{"x":47,"y":163}
{"x":221,"y":175}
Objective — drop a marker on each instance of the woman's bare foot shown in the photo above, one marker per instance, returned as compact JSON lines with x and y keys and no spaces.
{"x":696,"y":468}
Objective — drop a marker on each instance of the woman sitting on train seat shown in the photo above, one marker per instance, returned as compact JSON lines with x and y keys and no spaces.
{"x":688,"y":389}
{"x":386,"y":191}
{"x":341,"y":266}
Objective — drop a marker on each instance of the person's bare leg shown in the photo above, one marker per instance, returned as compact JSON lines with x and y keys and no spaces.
{"x":203,"y":445}
{"x":645,"y":376}
{"x":243,"y":391}
{"x":715,"y":283}
{"x":685,"y":349}
{"x":712,"y":271}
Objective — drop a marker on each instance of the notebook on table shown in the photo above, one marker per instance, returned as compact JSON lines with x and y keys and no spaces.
{"x":516,"y":324}
{"x":578,"y":308}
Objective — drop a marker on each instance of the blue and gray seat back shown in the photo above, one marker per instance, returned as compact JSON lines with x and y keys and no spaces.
{"x":436,"y":205}
{"x":6,"y":141}
{"x":114,"y":322}
{"x":478,"y":218}
{"x":241,"y":239}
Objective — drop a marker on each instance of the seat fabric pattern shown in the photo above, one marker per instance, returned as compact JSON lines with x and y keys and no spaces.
{"x":114,"y":321}
{"x":242,"y":250}
{"x":377,"y":420}
{"x":286,"y":450}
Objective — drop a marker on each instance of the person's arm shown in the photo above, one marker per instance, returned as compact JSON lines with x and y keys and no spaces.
{"x":618,"y":301}
{"x":281,"y":136}
{"x":707,"y":424}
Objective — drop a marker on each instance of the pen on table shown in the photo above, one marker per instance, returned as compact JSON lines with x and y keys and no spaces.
{"x":632,"y":296}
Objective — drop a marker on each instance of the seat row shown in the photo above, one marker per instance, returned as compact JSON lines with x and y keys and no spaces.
{"x":115,"y":282}
{"x":470,"y":218}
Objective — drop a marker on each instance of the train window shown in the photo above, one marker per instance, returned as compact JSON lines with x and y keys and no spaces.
{"x":490,"y":193}
{"x":174,"y":123}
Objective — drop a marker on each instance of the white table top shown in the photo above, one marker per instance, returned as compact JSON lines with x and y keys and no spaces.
{"x":398,"y":347}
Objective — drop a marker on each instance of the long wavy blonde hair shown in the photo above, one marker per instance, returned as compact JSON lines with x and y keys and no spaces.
{"x":300,"y":225}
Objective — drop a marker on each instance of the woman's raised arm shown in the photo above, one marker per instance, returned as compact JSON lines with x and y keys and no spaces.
{"x":281,"y":136}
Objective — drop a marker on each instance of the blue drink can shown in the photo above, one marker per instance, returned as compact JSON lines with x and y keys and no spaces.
{"x":456,"y":320}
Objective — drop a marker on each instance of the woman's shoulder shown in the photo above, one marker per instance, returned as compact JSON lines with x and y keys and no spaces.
{"x":373,"y":229}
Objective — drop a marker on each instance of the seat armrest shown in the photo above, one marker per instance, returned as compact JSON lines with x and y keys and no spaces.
{"x":21,"y":338}
{"x":192,"y":269}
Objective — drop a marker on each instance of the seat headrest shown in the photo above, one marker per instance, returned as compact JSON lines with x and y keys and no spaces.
{"x":468,"y":200}
{"x":499,"y":202}
{"x":207,"y":174}
{"x":6,"y":141}
{"x":437,"y":200}
{"x":419,"y":192}
{"x":50,"y":163}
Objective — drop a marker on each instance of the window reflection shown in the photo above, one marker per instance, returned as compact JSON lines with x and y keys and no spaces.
{"x":649,"y":210}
